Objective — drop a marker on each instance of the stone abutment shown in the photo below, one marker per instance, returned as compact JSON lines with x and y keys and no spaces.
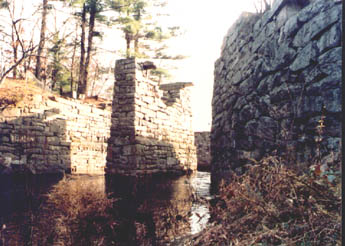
{"x":278,"y":79}
{"x":151,"y":130}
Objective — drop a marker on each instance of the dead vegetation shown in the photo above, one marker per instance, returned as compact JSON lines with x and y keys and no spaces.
{"x":276,"y":204}
{"x":16,"y":91}
{"x":13,"y":92}
{"x":75,"y":213}
{"x":271,"y":204}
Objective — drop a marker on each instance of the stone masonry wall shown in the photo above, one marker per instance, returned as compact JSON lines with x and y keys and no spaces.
{"x":279,"y":74}
{"x":203,"y":150}
{"x":151,"y":129}
{"x":52,"y":134}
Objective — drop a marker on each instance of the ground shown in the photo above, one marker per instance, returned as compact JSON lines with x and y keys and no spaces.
{"x":14,"y":91}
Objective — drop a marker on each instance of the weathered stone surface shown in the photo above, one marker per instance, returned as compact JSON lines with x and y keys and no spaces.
{"x":273,"y":84}
{"x":318,"y":24}
{"x":305,"y":57}
{"x":153,"y":133}
{"x":46,"y":136}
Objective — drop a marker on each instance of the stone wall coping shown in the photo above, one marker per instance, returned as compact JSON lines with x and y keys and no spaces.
{"x":175,"y":86}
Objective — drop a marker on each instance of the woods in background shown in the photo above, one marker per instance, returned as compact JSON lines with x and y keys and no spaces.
{"x":60,"y":41}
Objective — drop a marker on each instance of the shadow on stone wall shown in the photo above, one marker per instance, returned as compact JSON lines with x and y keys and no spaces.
{"x":33,"y":156}
{"x":146,"y":135}
{"x":34,"y":144}
{"x":202,"y":142}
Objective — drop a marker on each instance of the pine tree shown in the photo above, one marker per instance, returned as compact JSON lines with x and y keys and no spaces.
{"x":136,"y":18}
{"x":58,"y":71}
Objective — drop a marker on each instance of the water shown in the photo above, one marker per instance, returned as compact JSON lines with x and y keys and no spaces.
{"x":200,"y":211}
{"x":98,"y":210}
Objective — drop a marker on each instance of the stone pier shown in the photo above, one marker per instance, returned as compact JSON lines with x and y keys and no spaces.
{"x":151,"y":124}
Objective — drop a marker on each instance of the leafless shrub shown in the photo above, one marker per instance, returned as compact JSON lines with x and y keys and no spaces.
{"x":275,"y":204}
{"x":76,"y":213}
{"x":262,"y":6}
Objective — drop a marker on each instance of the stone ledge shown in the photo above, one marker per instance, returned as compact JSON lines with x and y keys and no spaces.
{"x":175,"y":86}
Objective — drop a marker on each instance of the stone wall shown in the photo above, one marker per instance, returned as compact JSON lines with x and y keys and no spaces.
{"x":49,"y":134}
{"x":279,"y":74}
{"x":151,"y":129}
{"x":203,"y":149}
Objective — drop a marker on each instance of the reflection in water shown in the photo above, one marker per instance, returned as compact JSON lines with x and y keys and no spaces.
{"x":113,"y":210}
{"x":200,"y":212}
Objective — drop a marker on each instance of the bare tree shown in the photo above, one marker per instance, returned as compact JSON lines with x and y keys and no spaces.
{"x":20,"y":48}
{"x":42,"y":39}
{"x":262,"y":6}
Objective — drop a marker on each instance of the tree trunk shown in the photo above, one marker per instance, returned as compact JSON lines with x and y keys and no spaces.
{"x":89,"y":47}
{"x":15,"y":50}
{"x":42,"y":40}
{"x":94,"y":81}
{"x":128,"y":45}
{"x":72,"y":62}
{"x":81,"y":85}
{"x":15,"y":58}
{"x":14,"y":66}
{"x":136,"y":45}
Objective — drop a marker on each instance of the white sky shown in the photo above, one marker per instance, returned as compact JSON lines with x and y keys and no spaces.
{"x":206,"y":23}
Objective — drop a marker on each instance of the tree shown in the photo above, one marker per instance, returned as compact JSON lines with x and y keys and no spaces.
{"x":74,"y":44}
{"x":58,"y":70}
{"x":87,"y":14}
{"x":136,"y":20}
{"x":81,"y":83}
{"x":42,"y":39}
{"x":21,"y":49}
{"x":144,"y":37}
{"x":262,"y":5}
{"x":94,"y":8}
{"x":90,"y":13}
{"x":16,"y":26}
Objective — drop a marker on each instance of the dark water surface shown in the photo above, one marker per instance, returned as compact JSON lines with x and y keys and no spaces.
{"x":155,"y":211}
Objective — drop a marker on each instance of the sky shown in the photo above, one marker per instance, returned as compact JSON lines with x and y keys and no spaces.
{"x":206,"y":24}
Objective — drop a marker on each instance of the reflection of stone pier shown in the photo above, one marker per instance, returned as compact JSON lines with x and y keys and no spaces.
{"x":152,"y":211}
{"x":151,"y":128}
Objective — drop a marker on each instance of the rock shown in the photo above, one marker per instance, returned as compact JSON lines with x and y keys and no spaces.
{"x":5,"y":161}
{"x":317,"y":25}
{"x":271,"y":83}
{"x":331,"y":39}
{"x":291,"y":27}
{"x":305,"y":57}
